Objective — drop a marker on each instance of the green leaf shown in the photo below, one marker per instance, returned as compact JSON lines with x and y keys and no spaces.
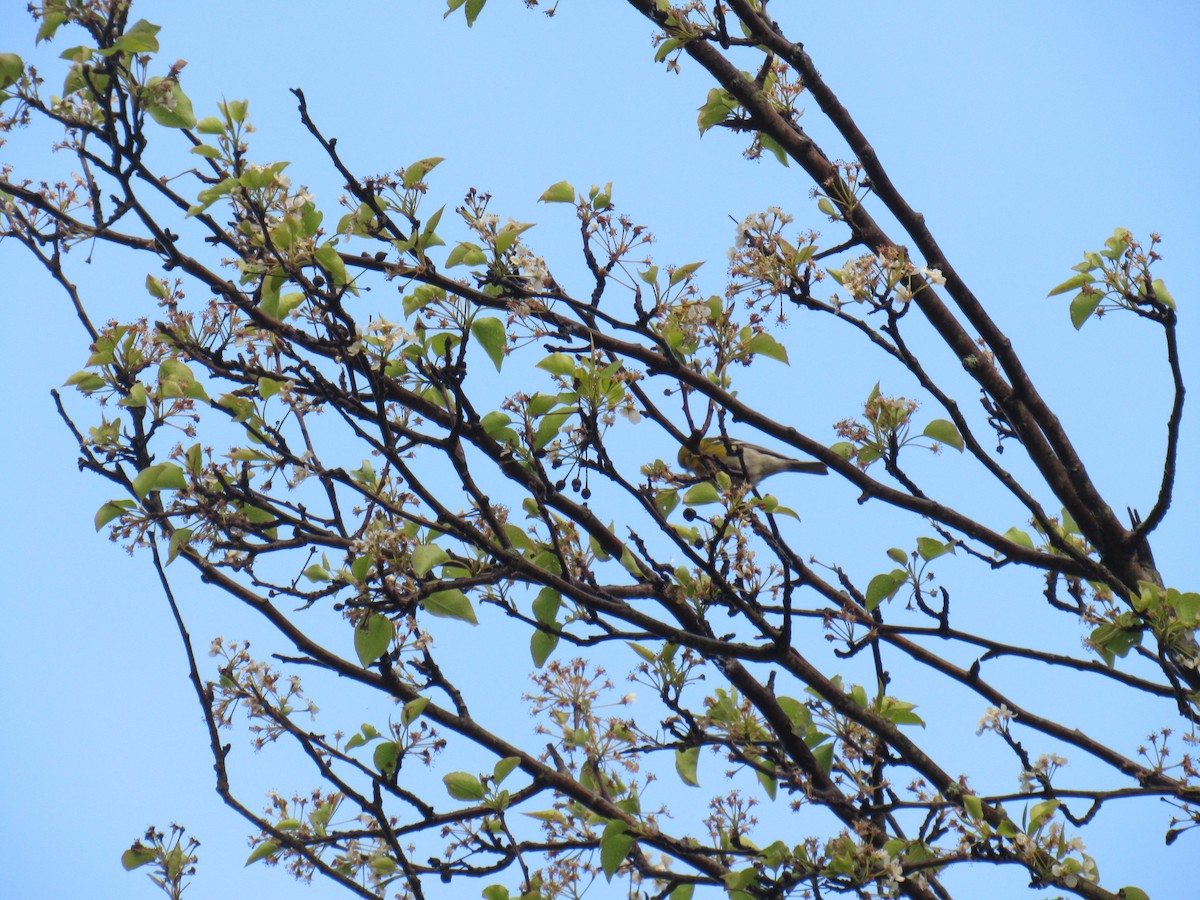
{"x":560,"y":364}
{"x":666,"y":48}
{"x":372,"y":636}
{"x":474,"y":8}
{"x":412,"y":710}
{"x":167,"y":103}
{"x":769,"y":782}
{"x":1186,"y":606}
{"x":974,"y":807}
{"x":798,"y":713}
{"x":156,"y":287}
{"x":509,"y":234}
{"x":269,"y":387}
{"x":896,"y":555}
{"x":490,"y":334}
{"x":1083,"y":306}
{"x":716,"y":109}
{"x":178,"y":541}
{"x":360,"y":740}
{"x":928,"y":548}
{"x":210,"y":125}
{"x":541,"y":645}
{"x":1160,"y":291}
{"x":1071,"y":284}
{"x":466,"y":254}
{"x":548,"y":429}
{"x":140,"y":37}
{"x":11,"y":68}
{"x":1017,"y":536}
{"x":736,"y":882}
{"x":884,"y":586}
{"x":52,"y":18}
{"x":111,"y":510}
{"x":425,"y":557}
{"x":1113,"y":640}
{"x":1041,"y":812}
{"x":360,"y":567}
{"x":685,"y":765}
{"x":386,"y":757}
{"x":546,"y":605}
{"x":763,"y":344}
{"x":85,"y":382}
{"x":195,"y":459}
{"x":138,"y":855}
{"x":683,"y":272}
{"x":330,"y":260}
{"x":496,"y":426}
{"x":451,"y":604}
{"x":776,"y":148}
{"x":1132,"y":893}
{"x":258,"y":177}
{"x":382,"y":866}
{"x":666,"y":501}
{"x":504,"y":768}
{"x":464,"y":786}
{"x":418,"y":170}
{"x":262,"y":851}
{"x":615,"y":844}
{"x":944,"y":432}
{"x":560,"y":192}
{"x":699,"y":494}
{"x":159,"y":477}
{"x":206,"y":151}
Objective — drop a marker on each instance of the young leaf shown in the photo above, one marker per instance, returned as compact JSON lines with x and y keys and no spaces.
{"x":11,"y":68}
{"x":944,"y":432}
{"x":541,"y":645}
{"x":418,"y":170}
{"x":546,"y":605}
{"x":928,"y":548}
{"x":167,"y":103}
{"x":716,"y":109}
{"x":685,"y":765}
{"x":466,"y":254}
{"x":386,"y":757}
{"x":464,"y":786}
{"x":490,"y":334}
{"x":560,"y":192}
{"x":371,"y":637}
{"x":451,"y":604}
{"x":504,"y":767}
{"x":1083,"y":306}
{"x":262,"y":851}
{"x":159,"y":477}
{"x":138,"y":855}
{"x":425,"y":557}
{"x":884,"y":586}
{"x":412,"y":710}
{"x":615,"y":844}
{"x":111,"y":510}
{"x":700,"y":494}
{"x":1073,"y":283}
{"x":763,"y":344}
{"x":178,"y":541}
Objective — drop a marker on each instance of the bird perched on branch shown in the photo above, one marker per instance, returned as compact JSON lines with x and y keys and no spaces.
{"x":743,"y":462}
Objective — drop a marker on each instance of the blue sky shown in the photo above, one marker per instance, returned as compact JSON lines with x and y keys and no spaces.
{"x":1024,"y":132}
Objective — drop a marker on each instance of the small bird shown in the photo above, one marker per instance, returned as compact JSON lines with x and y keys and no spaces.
{"x":744,"y":462}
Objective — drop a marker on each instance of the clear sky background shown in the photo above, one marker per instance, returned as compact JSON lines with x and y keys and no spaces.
{"x":1025,"y":132}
